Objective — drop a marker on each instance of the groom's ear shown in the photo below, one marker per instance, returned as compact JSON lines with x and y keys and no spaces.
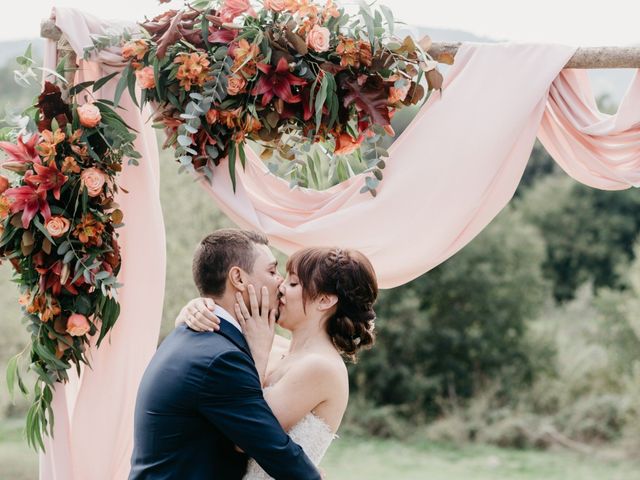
{"x":236,"y":278}
{"x":326,"y":302}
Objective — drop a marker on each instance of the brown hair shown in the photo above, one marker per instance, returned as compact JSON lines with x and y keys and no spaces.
{"x":349,"y":275}
{"x":218,"y":252}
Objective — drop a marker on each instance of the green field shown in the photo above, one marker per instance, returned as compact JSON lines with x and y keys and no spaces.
{"x":352,"y":458}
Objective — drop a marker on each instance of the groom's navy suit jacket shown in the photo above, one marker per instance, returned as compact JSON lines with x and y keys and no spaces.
{"x":199,"y":397}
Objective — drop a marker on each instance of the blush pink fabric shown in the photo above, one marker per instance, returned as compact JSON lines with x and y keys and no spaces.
{"x":449,"y":174}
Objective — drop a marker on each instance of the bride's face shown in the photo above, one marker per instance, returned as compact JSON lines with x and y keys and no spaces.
{"x":292,"y":311}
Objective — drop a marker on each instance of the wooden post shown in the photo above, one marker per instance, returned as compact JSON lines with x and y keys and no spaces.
{"x":589,"y":57}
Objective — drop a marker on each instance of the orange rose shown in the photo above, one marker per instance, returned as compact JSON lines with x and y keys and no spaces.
{"x":318,"y":38}
{"x":57,"y":226}
{"x":146,"y":78}
{"x":4,"y":184}
{"x":94,"y":179}
{"x":78,"y":325}
{"x":345,"y":144}
{"x":275,"y":5}
{"x":89,"y":115}
{"x":236,"y":84}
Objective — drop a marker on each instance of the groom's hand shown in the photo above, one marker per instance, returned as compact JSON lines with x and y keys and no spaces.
{"x":198,"y":315}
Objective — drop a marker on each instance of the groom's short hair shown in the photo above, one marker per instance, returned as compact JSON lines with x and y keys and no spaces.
{"x":218,"y":252}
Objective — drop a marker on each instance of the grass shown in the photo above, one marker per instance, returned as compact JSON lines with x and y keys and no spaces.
{"x":353,"y":458}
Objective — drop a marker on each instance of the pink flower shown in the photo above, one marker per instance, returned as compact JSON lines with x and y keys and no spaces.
{"x":57,"y":226}
{"x":236,"y":84}
{"x":78,"y":325}
{"x":275,"y":5}
{"x":47,"y":178}
{"x":146,"y":78}
{"x":4,"y":184}
{"x":89,"y":115}
{"x":29,"y":201}
{"x":234,"y":8}
{"x":345,"y":144}
{"x":94,"y":179}
{"x":22,"y":152}
{"x":222,"y":35}
{"x":318,"y":38}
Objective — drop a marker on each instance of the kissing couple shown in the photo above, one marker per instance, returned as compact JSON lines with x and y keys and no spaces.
{"x":224,"y":397}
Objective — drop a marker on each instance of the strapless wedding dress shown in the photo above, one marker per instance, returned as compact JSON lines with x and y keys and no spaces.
{"x":314,"y":436}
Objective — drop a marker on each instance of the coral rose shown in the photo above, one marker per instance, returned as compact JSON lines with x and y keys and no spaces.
{"x":275,"y":5}
{"x":318,"y":38}
{"x":89,"y":115}
{"x":4,"y":184}
{"x":94,"y":179}
{"x":57,"y":226}
{"x":77,"y":325}
{"x":146,"y":78}
{"x":236,"y":84}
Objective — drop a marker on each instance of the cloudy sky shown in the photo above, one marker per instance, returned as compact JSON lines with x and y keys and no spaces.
{"x":573,"y":22}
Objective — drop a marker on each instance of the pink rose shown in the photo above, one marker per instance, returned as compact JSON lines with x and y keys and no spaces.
{"x":94,"y":179}
{"x":89,"y":115}
{"x":234,"y":8}
{"x":4,"y":184}
{"x":236,"y":84}
{"x":57,"y":226}
{"x":318,"y":38}
{"x":146,"y":78}
{"x":275,"y":5}
{"x":77,"y":325}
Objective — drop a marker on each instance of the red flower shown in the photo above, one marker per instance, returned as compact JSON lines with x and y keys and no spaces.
{"x":222,"y":35}
{"x":29,"y":201}
{"x":22,"y":152}
{"x":48,"y":178}
{"x":277,"y":83}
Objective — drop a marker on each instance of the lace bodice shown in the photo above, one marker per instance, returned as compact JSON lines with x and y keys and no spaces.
{"x":311,"y":433}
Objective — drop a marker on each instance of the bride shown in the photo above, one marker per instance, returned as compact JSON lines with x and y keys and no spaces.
{"x":326,"y":302}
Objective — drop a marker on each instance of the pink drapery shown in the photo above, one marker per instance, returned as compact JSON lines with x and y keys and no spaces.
{"x":450,"y":173}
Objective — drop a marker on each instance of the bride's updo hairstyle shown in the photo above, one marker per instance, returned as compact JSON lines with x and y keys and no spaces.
{"x":349,"y":275}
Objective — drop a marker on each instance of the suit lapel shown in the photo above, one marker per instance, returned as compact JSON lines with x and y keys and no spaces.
{"x":232,"y":333}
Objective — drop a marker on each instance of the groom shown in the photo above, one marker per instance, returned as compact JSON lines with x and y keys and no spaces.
{"x":201,"y":396}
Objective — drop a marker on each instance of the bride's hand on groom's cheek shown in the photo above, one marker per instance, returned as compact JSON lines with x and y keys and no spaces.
{"x":198,"y":315}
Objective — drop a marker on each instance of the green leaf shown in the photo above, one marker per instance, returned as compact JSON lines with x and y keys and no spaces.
{"x":243,"y":157}
{"x":79,"y":87}
{"x":40,"y":226}
{"x":131,"y":85}
{"x":388,"y":15}
{"x":320,"y":99}
{"x":122,"y":84}
{"x":102,"y":81}
{"x":12,"y":373}
{"x":232,"y":164}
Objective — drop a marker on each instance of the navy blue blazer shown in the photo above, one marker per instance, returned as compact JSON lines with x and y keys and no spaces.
{"x":199,"y":397}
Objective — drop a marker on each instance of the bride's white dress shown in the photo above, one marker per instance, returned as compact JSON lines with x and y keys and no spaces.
{"x":314,"y":436}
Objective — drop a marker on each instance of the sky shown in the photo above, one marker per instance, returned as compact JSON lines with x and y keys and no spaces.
{"x":571,"y":22}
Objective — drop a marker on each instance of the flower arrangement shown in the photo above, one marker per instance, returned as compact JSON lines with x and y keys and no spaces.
{"x":58,"y":222}
{"x":220,"y":73}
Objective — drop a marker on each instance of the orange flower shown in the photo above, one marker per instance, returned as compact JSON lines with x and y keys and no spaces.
{"x":36,"y":305}
{"x":364,"y":50}
{"x":69,"y":165}
{"x":349,"y":52}
{"x":245,"y":55}
{"x":5,"y":207}
{"x":89,"y":230}
{"x":51,"y":310}
{"x":212,"y":116}
{"x":251,"y":124}
{"x":25,"y":298}
{"x":330,"y":10}
{"x":193,"y":69}
{"x":47,"y":145}
{"x":78,"y":325}
{"x":307,"y":9}
{"x":4,"y":184}
{"x":135,"y":48}
{"x":229,"y":117}
{"x":275,"y":5}
{"x":146,"y":78}
{"x":89,"y":115}
{"x":236,"y":84}
{"x":57,"y":226}
{"x":345,"y":144}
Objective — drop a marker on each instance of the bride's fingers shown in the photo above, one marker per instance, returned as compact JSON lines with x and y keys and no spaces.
{"x":243,"y":307}
{"x":272,"y":318}
{"x":253,"y":301}
{"x":240,"y":317}
{"x":264,"y":311}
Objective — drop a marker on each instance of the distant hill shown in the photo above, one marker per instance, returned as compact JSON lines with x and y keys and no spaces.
{"x":613,"y":82}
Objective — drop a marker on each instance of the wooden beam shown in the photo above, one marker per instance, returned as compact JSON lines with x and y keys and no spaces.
{"x":586,"y":57}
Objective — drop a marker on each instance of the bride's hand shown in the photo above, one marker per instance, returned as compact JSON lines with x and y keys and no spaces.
{"x":258,"y":326}
{"x":198,"y":315}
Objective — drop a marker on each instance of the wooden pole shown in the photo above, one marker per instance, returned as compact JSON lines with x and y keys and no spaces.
{"x":586,"y":57}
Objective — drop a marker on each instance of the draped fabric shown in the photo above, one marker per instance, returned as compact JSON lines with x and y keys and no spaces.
{"x":449,"y":174}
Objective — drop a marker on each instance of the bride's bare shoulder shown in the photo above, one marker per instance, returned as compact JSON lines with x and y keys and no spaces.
{"x":323,"y":366}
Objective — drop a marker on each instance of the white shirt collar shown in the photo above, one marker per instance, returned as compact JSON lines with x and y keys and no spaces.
{"x":222,"y":313}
